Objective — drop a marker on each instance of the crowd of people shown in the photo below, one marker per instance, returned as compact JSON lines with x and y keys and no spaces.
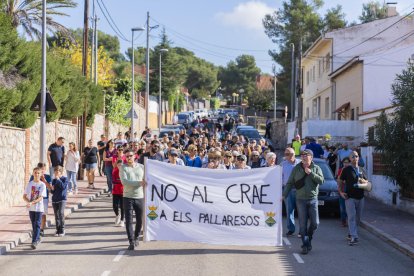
{"x":201,"y":145}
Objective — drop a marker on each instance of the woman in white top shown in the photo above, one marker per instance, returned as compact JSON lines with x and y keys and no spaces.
{"x":72,"y":165}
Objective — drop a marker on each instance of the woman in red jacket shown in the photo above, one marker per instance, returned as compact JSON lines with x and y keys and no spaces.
{"x":117,"y":194}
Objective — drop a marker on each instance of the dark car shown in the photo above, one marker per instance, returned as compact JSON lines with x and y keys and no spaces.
{"x":167,"y":131}
{"x":328,"y":197}
{"x":253,"y":134}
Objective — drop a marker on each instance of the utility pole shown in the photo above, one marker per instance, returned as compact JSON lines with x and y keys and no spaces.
{"x":82,"y":124}
{"x":292,"y":85}
{"x":299,"y":91}
{"x":96,"y":52}
{"x":147,"y":76}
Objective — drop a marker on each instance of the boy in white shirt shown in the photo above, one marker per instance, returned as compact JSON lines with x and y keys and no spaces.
{"x":33,"y":195}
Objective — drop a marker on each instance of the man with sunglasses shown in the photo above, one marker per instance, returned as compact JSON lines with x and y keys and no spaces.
{"x":288,"y":164}
{"x":132,"y":177}
{"x":306,"y":178}
{"x":154,"y":153}
{"x":241,"y":161}
{"x":354,"y":196}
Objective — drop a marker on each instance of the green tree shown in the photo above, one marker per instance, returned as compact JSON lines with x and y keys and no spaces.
{"x":395,"y":133}
{"x":295,"y":21}
{"x":28,"y":15}
{"x":372,"y":11}
{"x":334,"y":19}
{"x":239,"y":74}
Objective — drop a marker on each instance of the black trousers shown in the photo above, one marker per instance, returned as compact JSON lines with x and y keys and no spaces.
{"x":117,"y":203}
{"x":130,"y":205}
{"x":59,"y":210}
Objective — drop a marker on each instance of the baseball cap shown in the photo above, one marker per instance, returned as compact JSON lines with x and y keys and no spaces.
{"x":243,"y":157}
{"x":307,"y":152}
{"x":173,"y":152}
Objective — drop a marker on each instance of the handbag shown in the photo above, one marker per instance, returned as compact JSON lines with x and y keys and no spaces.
{"x":300,"y":183}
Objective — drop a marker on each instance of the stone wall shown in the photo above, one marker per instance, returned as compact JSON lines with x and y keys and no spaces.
{"x":20,"y":151}
{"x":12,"y":163}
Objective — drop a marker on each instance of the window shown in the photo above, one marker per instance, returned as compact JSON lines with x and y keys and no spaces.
{"x":327,"y":111}
{"x":314,"y":108}
{"x":352,"y":114}
{"x":307,"y":113}
{"x":327,"y":62}
{"x":313,"y":73}
{"x":318,"y":111}
{"x":357,"y":113}
{"x":307,"y":77}
{"x":320,"y":63}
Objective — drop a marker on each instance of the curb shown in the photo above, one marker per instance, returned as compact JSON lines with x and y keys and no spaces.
{"x":396,"y":243}
{"x":27,"y":235}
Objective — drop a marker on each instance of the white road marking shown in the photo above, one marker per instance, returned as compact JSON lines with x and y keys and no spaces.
{"x":298,"y":258}
{"x":106,"y":273}
{"x":119,"y":256}
{"x":287,"y":242}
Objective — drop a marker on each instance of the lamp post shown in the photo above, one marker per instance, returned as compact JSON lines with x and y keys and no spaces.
{"x":133,"y":82}
{"x":43,"y":89}
{"x":241,"y":92}
{"x":160,"y":99}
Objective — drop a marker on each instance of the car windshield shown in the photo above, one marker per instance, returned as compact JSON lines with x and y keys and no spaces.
{"x":327,"y":173}
{"x":251,"y":133}
{"x":182,"y":116}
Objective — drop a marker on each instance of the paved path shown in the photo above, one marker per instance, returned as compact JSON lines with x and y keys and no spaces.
{"x":94,"y":246}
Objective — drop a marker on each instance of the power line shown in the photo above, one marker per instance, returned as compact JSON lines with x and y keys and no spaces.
{"x":380,"y":32}
{"x":112,"y":20}
{"x":110,"y":25}
{"x":208,"y":43}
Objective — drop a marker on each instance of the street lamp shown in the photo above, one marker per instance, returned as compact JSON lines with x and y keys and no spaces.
{"x":275,"y":82}
{"x":138,"y":29}
{"x":160,"y":100}
{"x":241,"y":91}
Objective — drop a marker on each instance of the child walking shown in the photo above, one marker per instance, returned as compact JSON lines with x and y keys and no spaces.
{"x":33,"y":195}
{"x":117,"y":194}
{"x":59,"y":191}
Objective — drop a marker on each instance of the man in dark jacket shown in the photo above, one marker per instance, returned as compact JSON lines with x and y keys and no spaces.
{"x":306,"y":178}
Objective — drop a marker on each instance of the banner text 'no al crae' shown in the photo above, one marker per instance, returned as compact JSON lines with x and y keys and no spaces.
{"x":229,"y":207}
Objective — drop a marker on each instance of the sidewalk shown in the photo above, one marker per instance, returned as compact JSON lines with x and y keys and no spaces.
{"x":391,"y":225}
{"x":15,"y":226}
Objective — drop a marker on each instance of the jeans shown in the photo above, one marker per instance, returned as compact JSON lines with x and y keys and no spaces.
{"x":117,"y":203}
{"x":130,"y":205}
{"x":342,"y":209}
{"x":354,"y":210}
{"x":290,"y":204}
{"x":72,"y":180}
{"x":108,"y":173}
{"x":36,"y":219}
{"x":59,"y":209}
{"x":307,"y":209}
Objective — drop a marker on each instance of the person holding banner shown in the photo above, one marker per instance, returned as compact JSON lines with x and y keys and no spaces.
{"x":132,"y":177}
{"x":306,"y":178}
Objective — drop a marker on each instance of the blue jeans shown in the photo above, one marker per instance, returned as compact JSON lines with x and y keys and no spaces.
{"x":354,"y":210}
{"x":290,"y":204}
{"x":342,"y":208}
{"x":72,"y":180}
{"x":36,"y":219}
{"x":108,"y":173}
{"x":307,"y":209}
{"x":59,"y":210}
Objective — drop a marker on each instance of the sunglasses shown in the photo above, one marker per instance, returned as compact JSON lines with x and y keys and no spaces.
{"x":354,"y":156}
{"x":128,"y":156}
{"x":304,"y":155}
{"x":240,"y":159}
{"x":255,"y":155}
{"x":120,"y":150}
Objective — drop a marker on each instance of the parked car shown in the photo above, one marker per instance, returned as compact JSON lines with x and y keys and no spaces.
{"x":166,"y":132}
{"x":180,"y":127}
{"x":252,"y":133}
{"x":184,"y":118}
{"x":328,"y":197}
{"x":239,"y":128}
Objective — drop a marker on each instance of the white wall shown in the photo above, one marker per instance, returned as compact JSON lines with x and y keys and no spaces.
{"x":333,"y":127}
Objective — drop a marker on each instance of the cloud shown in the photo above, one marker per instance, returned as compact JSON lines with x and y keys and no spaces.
{"x":247,"y":15}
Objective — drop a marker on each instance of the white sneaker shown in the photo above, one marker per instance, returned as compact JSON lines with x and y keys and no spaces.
{"x":70,"y":193}
{"x":117,"y":220}
{"x":76,"y":191}
{"x":62,"y":234}
{"x":122,"y":224}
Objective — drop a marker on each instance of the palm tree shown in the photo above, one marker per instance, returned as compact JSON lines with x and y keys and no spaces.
{"x":28,"y":15}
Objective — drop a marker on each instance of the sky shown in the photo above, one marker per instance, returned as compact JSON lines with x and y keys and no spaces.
{"x":215,"y":30}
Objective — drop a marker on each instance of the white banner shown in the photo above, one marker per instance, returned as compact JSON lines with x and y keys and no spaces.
{"x":229,"y":207}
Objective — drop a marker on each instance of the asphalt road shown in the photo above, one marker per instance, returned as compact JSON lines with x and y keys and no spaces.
{"x":94,"y":246}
